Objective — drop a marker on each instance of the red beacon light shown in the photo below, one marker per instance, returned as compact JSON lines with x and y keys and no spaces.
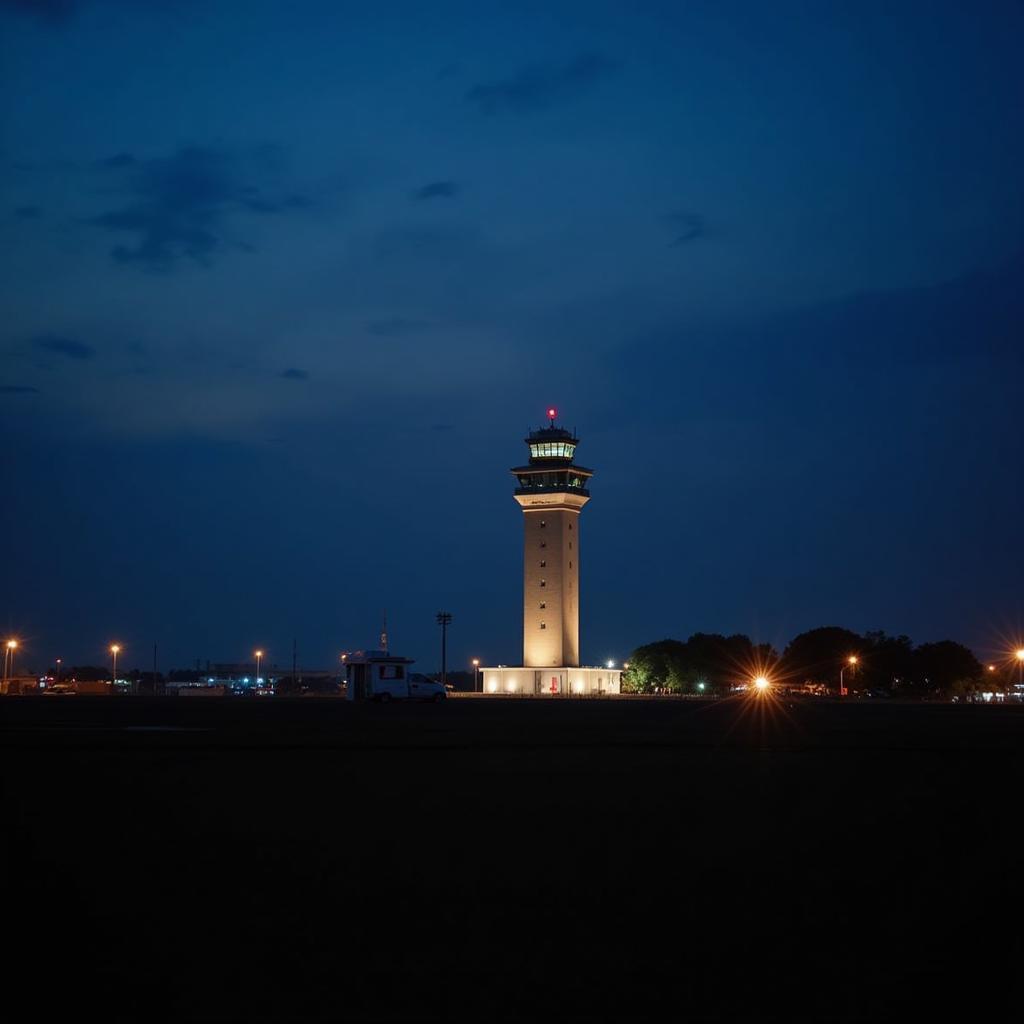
{"x":552,"y":413}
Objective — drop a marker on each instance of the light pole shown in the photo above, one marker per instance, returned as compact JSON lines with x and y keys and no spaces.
{"x":12,"y":646}
{"x":1019,"y":655}
{"x":114,"y":649}
{"x":443,"y":620}
{"x":852,"y":662}
{"x":259,"y":658}
{"x":476,"y":672}
{"x":58,"y":669}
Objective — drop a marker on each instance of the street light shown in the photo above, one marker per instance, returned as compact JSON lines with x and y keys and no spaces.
{"x":11,"y":647}
{"x":609,"y":664}
{"x":852,"y":662}
{"x":259,"y":658}
{"x":761,"y":683}
{"x":114,"y":650}
{"x":1019,"y":655}
{"x":476,"y":672}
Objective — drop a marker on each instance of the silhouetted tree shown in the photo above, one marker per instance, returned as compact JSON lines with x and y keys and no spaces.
{"x":818,"y":655}
{"x":883,"y":662}
{"x":707,"y":662}
{"x":939,"y":667}
{"x":651,"y":665}
{"x":888,"y":662}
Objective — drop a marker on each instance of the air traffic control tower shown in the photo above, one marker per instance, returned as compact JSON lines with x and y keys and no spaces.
{"x":551,"y":491}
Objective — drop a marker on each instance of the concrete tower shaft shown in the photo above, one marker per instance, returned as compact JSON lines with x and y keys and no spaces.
{"x":552,"y":491}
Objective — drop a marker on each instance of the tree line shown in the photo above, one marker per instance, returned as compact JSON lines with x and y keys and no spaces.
{"x":710,"y":663}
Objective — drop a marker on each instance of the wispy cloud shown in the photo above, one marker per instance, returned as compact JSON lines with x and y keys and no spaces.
{"x":540,"y":86}
{"x":178,"y":206}
{"x":437,"y":190}
{"x":686,"y":227}
{"x":18,"y":389}
{"x":28,"y":212}
{"x":68,"y":347}
{"x":294,"y":373}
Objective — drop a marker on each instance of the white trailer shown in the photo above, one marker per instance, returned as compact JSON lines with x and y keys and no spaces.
{"x":378,"y":675}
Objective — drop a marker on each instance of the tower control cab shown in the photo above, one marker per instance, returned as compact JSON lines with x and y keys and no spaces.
{"x":380,"y":676}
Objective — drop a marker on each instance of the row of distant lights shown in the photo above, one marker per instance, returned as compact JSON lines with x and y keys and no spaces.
{"x":115,"y":649}
{"x":761,"y":682}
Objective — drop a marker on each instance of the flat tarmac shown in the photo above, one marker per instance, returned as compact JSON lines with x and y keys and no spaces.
{"x":488,"y":858}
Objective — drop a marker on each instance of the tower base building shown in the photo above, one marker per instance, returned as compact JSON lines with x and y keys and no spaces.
{"x":551,"y":682}
{"x":551,"y":491}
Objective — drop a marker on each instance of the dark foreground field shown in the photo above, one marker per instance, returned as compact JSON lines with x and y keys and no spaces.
{"x":169,"y":859}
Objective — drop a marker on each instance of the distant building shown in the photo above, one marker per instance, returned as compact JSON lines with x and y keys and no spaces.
{"x":19,"y":684}
{"x":239,"y":677}
{"x":551,"y":491}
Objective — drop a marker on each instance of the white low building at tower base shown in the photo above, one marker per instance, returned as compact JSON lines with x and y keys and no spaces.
{"x":550,"y":682}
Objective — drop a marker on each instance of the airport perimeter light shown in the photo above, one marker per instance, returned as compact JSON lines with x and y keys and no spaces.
{"x":852,"y":662}
{"x":11,"y":647}
{"x":115,"y":649}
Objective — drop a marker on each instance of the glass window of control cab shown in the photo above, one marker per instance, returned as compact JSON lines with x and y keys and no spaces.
{"x":552,"y":450}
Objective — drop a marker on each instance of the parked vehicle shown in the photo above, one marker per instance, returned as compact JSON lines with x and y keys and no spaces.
{"x":380,"y":676}
{"x":59,"y":689}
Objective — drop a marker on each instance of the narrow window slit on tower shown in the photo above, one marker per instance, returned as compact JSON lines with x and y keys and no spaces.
{"x":543,"y":564}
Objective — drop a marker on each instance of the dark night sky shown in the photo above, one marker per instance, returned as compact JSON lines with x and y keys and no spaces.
{"x":283,"y":285}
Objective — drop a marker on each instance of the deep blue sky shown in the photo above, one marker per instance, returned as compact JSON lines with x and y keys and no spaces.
{"x":284,"y":284}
